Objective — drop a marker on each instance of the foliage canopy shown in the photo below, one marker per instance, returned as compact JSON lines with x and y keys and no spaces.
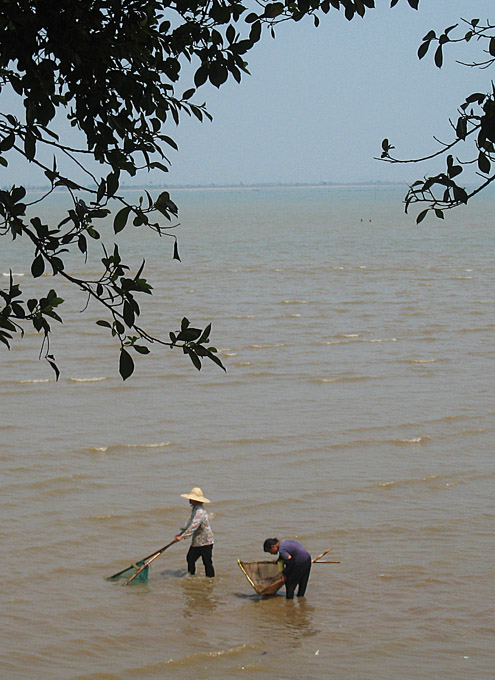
{"x":112,"y":70}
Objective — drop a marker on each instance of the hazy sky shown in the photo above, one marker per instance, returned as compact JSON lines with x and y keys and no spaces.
{"x":320,"y":100}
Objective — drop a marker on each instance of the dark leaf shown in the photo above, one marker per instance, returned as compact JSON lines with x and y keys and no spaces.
{"x":38,"y":266}
{"x":55,"y":368}
{"x":201,"y":75}
{"x":439,"y":56}
{"x":460,"y":194}
{"x":128,"y":314}
{"x":484,"y":163}
{"x":423,"y":49}
{"x":126,"y":364}
{"x":7,"y":142}
{"x":121,"y":218}
{"x":195,"y":359}
{"x":205,"y":335}
{"x":461,"y":128}
{"x":421,"y":216}
{"x":189,"y":334}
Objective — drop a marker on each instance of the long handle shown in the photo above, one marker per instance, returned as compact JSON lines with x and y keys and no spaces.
{"x":326,"y":561}
{"x":322,"y":555}
{"x":148,"y":562}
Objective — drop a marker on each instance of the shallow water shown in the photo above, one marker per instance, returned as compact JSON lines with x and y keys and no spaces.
{"x":356,"y":412}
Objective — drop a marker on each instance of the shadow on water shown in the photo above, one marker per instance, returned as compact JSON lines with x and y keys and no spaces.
{"x":173,"y":573}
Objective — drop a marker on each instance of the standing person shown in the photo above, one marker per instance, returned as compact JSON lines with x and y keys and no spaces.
{"x":297,"y":564}
{"x":198,"y":526}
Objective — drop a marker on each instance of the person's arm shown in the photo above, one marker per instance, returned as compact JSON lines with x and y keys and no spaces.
{"x":192,"y":526}
{"x":286,"y":557}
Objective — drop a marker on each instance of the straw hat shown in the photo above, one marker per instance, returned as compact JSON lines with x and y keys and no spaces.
{"x":195,"y":495}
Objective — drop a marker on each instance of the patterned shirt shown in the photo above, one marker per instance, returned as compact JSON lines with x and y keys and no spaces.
{"x":198,"y":526}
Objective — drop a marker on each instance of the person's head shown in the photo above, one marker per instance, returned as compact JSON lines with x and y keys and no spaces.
{"x":271,"y":545}
{"x":195,"y":497}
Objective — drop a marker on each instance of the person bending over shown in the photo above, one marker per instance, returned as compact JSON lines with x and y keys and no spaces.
{"x":297,"y":564}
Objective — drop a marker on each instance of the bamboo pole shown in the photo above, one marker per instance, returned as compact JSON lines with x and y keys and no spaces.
{"x":322,"y":555}
{"x":146,"y":564}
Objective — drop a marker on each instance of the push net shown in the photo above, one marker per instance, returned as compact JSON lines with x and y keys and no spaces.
{"x":265,"y":577}
{"x":142,"y":577}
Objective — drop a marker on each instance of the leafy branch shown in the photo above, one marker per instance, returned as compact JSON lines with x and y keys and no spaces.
{"x":474,"y":124}
{"x":111,"y":69}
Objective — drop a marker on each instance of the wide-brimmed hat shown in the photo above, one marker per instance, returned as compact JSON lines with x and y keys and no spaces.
{"x":195,"y":495}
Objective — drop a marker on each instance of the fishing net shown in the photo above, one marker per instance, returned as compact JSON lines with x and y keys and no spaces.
{"x":127,"y":573}
{"x":265,"y":577}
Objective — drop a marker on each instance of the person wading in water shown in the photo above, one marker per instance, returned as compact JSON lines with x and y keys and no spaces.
{"x":297,"y":564}
{"x":198,"y":526}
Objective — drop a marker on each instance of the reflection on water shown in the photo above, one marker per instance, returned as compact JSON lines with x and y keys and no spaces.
{"x":198,"y":596}
{"x":298,"y":617}
{"x":290,"y":618}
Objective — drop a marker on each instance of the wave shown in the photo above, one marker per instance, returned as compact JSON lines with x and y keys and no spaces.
{"x":186,"y":661}
{"x":478,"y":329}
{"x":117,"y":447}
{"x":438,"y":481}
{"x":67,"y":482}
{"x":443,"y":360}
{"x":268,"y":346}
{"x":87,"y":380}
{"x":409,"y":440}
{"x":347,"y":339}
{"x":353,"y":378}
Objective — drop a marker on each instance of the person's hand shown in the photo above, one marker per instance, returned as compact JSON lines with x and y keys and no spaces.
{"x":177,"y":538}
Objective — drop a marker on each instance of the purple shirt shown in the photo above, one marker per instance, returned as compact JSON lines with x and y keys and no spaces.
{"x":292,"y":552}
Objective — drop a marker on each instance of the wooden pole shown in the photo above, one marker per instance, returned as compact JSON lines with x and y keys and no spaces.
{"x":322,"y":555}
{"x":146,"y":564}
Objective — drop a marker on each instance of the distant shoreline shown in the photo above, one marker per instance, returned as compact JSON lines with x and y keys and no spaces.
{"x":222,"y":187}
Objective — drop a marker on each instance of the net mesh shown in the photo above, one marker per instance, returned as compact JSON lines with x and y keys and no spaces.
{"x":142,"y":577}
{"x":265,"y":577}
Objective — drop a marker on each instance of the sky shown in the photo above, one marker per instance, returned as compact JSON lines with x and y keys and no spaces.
{"x":319,"y":101}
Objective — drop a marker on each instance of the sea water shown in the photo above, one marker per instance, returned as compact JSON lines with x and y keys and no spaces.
{"x":356,"y":413}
